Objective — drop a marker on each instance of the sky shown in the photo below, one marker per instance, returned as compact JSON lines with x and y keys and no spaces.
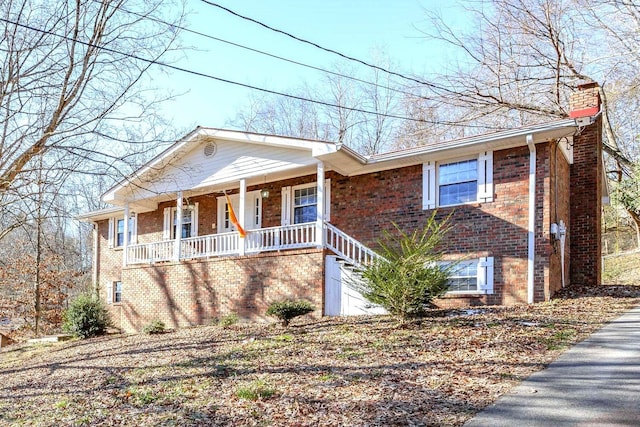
{"x":354,"y":27}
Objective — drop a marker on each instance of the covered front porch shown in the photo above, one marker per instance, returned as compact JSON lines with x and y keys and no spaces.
{"x":298,"y":236}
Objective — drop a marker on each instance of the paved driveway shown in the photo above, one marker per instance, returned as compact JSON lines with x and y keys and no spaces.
{"x":595,"y":383}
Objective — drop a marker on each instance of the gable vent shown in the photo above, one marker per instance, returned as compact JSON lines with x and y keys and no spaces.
{"x":210,"y":149}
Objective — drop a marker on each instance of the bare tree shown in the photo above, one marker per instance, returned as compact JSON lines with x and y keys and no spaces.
{"x":72,"y":80}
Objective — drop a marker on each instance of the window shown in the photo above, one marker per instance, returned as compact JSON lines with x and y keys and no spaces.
{"x":116,"y":231}
{"x":120,"y":231}
{"x":305,"y":204}
{"x":114,"y":292}
{"x":300,"y":203}
{"x":457,"y":182}
{"x":472,"y":277}
{"x":189,"y":222}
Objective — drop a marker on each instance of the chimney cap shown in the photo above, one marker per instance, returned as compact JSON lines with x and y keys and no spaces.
{"x":587,"y":84}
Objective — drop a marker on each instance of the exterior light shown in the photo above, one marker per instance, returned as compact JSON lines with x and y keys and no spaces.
{"x":264,"y":193}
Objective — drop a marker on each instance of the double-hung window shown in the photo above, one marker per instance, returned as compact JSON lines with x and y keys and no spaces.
{"x":456,"y":182}
{"x":305,"y":204}
{"x":300,"y":203}
{"x":189,"y":227}
{"x":471,"y":276}
{"x":114,"y":292}
{"x":116,"y":231}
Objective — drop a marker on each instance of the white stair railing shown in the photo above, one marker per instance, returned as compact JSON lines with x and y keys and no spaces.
{"x":347,"y":247}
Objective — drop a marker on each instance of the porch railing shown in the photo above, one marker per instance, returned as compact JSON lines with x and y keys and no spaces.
{"x":150,"y":252}
{"x":347,"y":247}
{"x":224,"y":244}
{"x":259,"y":240}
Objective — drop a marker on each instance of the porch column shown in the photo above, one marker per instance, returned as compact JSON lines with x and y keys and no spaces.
{"x":241,"y":207}
{"x":320,"y":206}
{"x":178,"y":225}
{"x":125,"y":238}
{"x":95,"y":277}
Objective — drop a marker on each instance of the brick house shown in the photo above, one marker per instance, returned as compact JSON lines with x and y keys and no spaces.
{"x":526,"y":205}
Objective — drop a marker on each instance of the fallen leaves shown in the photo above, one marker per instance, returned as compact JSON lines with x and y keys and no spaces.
{"x":361,"y":371}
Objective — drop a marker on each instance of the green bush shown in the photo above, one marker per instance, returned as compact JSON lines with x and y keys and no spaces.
{"x":287,"y":310}
{"x":155,"y":327}
{"x":86,"y":317}
{"x":228,"y":320}
{"x":409,"y":274}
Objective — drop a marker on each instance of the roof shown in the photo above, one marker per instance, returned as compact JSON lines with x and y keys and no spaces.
{"x":214,"y":160}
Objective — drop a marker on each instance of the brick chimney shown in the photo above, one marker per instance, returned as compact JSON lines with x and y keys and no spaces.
{"x":586,"y":101}
{"x":586,"y":189}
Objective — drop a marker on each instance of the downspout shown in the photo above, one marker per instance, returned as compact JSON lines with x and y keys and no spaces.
{"x":96,"y":248}
{"x":532,"y":219}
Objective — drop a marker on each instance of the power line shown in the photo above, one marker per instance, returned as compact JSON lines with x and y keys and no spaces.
{"x":271,"y":55}
{"x":335,"y":52}
{"x":209,"y":76}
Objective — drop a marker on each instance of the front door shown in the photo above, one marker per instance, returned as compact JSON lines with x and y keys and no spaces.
{"x":252,"y":212}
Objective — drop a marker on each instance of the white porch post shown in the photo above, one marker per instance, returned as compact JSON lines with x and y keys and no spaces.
{"x":320,"y":206}
{"x":178,"y":225}
{"x":241,"y":207}
{"x":96,"y":256}
{"x":125,"y":238}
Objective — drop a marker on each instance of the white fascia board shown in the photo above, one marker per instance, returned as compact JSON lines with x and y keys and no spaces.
{"x":264,"y":139}
{"x":100,"y":214}
{"x":458,"y":148}
{"x":200,"y":133}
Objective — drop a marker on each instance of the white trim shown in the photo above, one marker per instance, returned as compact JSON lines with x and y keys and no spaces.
{"x":111,"y":232}
{"x":327,"y":200}
{"x":431,"y":180}
{"x":532,"y":220}
{"x":253,"y":199}
{"x":320,"y":205}
{"x":428,"y":185}
{"x":177,"y":227}
{"x":485,"y":177}
{"x":166,"y":227}
{"x":484,"y":276}
{"x":125,"y":233}
{"x":95,"y":275}
{"x":286,"y":209}
{"x":110,"y":286}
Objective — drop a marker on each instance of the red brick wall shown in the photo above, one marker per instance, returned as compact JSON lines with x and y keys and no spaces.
{"x":559,"y":180}
{"x":364,"y":205}
{"x":109,"y":267}
{"x":195,"y":292}
{"x":586,"y":194}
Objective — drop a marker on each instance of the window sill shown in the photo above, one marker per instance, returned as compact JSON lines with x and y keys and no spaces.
{"x":466,"y":294}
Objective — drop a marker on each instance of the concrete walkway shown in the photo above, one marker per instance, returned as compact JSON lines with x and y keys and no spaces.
{"x":595,"y":383}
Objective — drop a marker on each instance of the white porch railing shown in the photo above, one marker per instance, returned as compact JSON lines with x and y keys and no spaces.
{"x":224,"y":244}
{"x":150,"y":252}
{"x":347,"y":247}
{"x":260,"y":240}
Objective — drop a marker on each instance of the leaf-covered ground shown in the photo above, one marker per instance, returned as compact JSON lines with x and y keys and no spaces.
{"x":363,"y":371}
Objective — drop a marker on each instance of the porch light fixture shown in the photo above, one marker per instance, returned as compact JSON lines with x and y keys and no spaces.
{"x":264,"y":193}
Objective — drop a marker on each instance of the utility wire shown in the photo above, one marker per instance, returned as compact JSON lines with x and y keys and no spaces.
{"x":209,"y":76}
{"x":271,"y":55}
{"x":335,"y":52}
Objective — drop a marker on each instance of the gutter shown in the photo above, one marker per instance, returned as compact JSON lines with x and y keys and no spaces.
{"x":532,"y":220}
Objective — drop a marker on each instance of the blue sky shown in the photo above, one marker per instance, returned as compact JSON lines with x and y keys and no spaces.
{"x":355,"y":28}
